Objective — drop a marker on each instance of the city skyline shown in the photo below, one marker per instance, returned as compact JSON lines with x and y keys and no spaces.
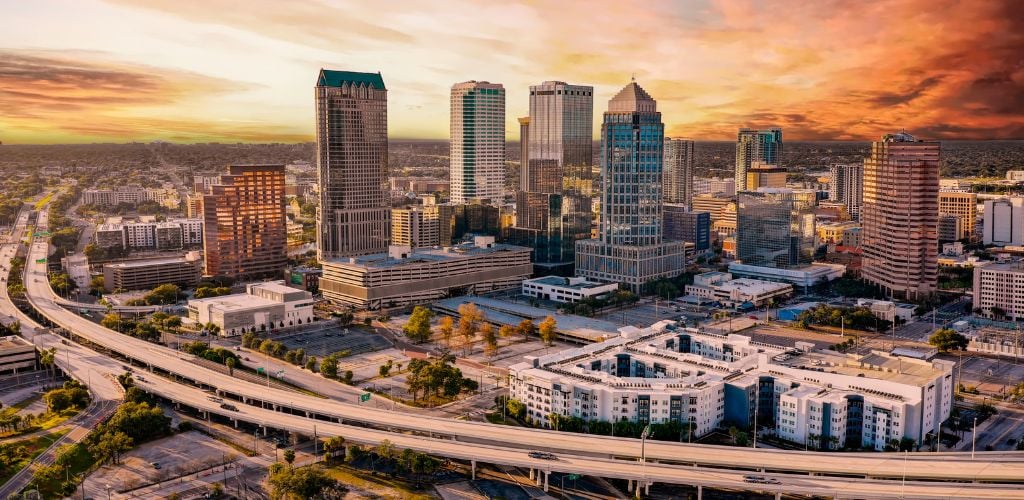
{"x":142,"y":70}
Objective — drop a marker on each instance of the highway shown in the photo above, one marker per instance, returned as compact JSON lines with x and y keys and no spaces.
{"x":994,"y":467}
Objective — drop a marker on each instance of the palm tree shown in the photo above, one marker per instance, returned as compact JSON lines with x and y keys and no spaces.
{"x":231,"y":363}
{"x":47,"y":358}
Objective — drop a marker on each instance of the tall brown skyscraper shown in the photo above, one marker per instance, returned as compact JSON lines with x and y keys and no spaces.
{"x":354,"y":216}
{"x":244,"y":233}
{"x":899,"y":216}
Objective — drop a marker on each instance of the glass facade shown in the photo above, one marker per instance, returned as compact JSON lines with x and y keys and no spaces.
{"x":774,"y":230}
{"x":553,"y":207}
{"x":477,"y":148}
{"x":678,"y":172}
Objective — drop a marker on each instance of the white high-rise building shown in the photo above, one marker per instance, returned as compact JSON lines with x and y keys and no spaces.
{"x":677,"y":177}
{"x":847,"y":187}
{"x":1003,"y":222}
{"x":477,"y":141}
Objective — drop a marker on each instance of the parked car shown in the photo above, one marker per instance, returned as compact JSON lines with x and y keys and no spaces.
{"x":229,"y":407}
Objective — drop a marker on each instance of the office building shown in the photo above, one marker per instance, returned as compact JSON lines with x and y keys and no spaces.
{"x":847,"y":186}
{"x":306,"y":278}
{"x":630,"y":248}
{"x":682,"y":224}
{"x":677,"y":179}
{"x":353,"y":216}
{"x":456,"y":222}
{"x":899,"y":216}
{"x":146,"y":274}
{"x":263,"y":306}
{"x":714,"y":186}
{"x":835,"y":233}
{"x":477,"y":142}
{"x":416,"y":226}
{"x":1015,"y":175}
{"x":999,"y":287}
{"x":664,"y":373}
{"x":763,"y":175}
{"x":962,"y":205}
{"x":17,"y":355}
{"x":244,"y":223}
{"x":1003,"y":222}
{"x":405,"y":276}
{"x":950,"y":228}
{"x":561,"y":289}
{"x":774,"y":230}
{"x":552,"y":208}
{"x":756,"y":145}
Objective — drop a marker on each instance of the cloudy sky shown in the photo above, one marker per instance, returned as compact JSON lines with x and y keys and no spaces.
{"x":233,"y":70}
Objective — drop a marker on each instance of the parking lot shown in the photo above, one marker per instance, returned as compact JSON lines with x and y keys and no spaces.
{"x":990,"y":375}
{"x":320,"y":340}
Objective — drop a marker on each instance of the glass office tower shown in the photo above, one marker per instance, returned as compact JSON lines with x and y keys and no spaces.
{"x":774,"y":230}
{"x":553,"y":203}
{"x":629,"y":248}
{"x":753,"y":145}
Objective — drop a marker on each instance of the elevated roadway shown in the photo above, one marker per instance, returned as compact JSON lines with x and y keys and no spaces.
{"x":279,"y":408}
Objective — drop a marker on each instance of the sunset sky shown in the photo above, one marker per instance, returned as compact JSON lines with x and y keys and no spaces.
{"x":226,"y":70}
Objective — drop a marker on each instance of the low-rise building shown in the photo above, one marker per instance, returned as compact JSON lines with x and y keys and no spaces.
{"x":1003,"y":222}
{"x":263,"y":306}
{"x":17,"y":355}
{"x":307,"y":278}
{"x":888,"y":310}
{"x":836,"y":232}
{"x":999,"y":290}
{"x":145,"y":274}
{"x":664,"y":373}
{"x":803,"y":277}
{"x":411,"y":276}
{"x":721,"y":287}
{"x":110,"y":236}
{"x":561,"y":289}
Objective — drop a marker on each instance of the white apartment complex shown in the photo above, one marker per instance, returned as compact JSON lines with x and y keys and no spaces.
{"x":477,"y":141}
{"x":166,"y":197}
{"x":1000,"y":286}
{"x":664,"y":373}
{"x":148,"y":234}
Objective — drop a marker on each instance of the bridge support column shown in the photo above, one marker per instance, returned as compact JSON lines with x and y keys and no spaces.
{"x":630,"y":487}
{"x":472,"y":469}
{"x":539,"y":474}
{"x":647,"y":488}
{"x":700,"y":492}
{"x":265,"y":431}
{"x":547,"y":474}
{"x":532,"y":473}
{"x":236,"y":423}
{"x":307,"y":414}
{"x":778,"y":495}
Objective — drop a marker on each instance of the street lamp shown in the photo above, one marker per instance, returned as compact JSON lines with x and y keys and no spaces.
{"x":974,"y":436}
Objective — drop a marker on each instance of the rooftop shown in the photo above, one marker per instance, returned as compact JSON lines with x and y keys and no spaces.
{"x":421,"y":255}
{"x":572,"y":283}
{"x":13,"y":342}
{"x":332,"y":78}
{"x":128,"y":264}
{"x":632,"y":98}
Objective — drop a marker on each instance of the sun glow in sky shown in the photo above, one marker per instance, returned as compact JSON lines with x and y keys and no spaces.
{"x":231,"y":70}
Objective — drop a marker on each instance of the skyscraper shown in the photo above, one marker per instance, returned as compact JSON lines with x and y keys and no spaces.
{"x":244,"y":224}
{"x":477,"y":141}
{"x":354,"y":215}
{"x":964,"y":206}
{"x":847,"y":187}
{"x":773,"y":229}
{"x":756,"y":145}
{"x":899,"y":216}
{"x":678,"y":174}
{"x":553,"y":210}
{"x":629,"y":248}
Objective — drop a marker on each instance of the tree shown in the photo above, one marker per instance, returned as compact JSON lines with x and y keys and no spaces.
{"x":347,"y":377}
{"x":97,"y":284}
{"x":516,"y":408}
{"x":526,"y":328}
{"x":110,"y":445}
{"x":385,"y":369}
{"x":447,"y":329}
{"x":289,"y":483}
{"x":329,"y":366}
{"x":334,"y":445}
{"x":289,"y":456}
{"x":163,"y":294}
{"x":418,"y":327}
{"x":548,"y":330}
{"x":231,"y":363}
{"x":490,"y":339}
{"x":947,"y":339}
{"x":311,"y":364}
{"x":506,"y":331}
{"x":469,"y":323}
